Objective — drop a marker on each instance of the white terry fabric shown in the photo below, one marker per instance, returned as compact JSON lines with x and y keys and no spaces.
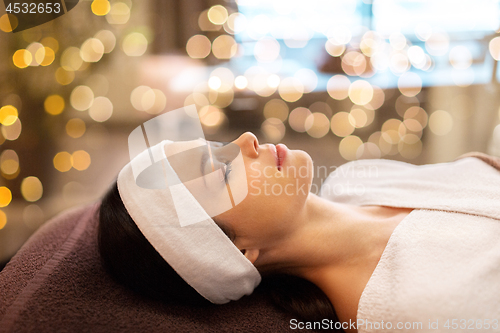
{"x":442,"y":262}
{"x":200,"y":253}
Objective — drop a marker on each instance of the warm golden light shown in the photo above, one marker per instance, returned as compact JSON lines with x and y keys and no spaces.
{"x":341,"y":125}
{"x":440,"y":122}
{"x":240,"y":82}
{"x":71,"y":60}
{"x":51,"y":43}
{"x":5,"y":196}
{"x":8,"y":22}
{"x":198,"y":47}
{"x":291,"y":89}
{"x":54,"y":104}
{"x":81,"y":98}
{"x":92,"y":50}
{"x":119,"y":13}
{"x":12,"y":132}
{"x":101,"y":109}
{"x":135,"y":44}
{"x":297,"y":119}
{"x":142,"y":98}
{"x":80,"y":160}
{"x":31,"y":189}
{"x":276,"y":108}
{"x":9,"y":163}
{"x":75,"y":127}
{"x":494,"y":47}
{"x":64,"y":77}
{"x":217,"y":14}
{"x":333,"y":49}
{"x":62,"y":161}
{"x":100,"y":7}
{"x":45,"y":56}
{"x":224,"y":47}
{"x":3,"y":218}
{"x":273,"y":129}
{"x":360,"y":92}
{"x":22,"y":58}
{"x":107,"y":39}
{"x":8,"y":115}
{"x":317,"y":125}
{"x":349,"y":146}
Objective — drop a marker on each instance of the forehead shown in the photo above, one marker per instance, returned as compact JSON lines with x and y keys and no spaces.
{"x":182,"y":146}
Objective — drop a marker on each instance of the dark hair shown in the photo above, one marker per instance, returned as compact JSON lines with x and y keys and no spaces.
{"x":132,"y":261}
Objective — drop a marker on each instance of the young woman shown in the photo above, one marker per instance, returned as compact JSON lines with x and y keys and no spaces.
{"x":317,"y":253}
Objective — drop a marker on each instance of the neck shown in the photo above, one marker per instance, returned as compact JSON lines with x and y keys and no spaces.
{"x":327,"y":234}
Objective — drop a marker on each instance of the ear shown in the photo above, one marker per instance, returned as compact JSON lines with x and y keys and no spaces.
{"x":251,"y":254}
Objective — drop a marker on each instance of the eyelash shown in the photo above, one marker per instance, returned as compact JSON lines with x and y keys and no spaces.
{"x":227,"y":171}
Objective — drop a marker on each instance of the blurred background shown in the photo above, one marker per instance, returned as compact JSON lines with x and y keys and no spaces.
{"x":410,"y":80}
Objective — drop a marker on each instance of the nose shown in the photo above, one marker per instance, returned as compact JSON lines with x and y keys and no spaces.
{"x":248,"y":144}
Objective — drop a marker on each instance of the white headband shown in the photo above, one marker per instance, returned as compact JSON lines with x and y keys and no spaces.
{"x":200,"y":252}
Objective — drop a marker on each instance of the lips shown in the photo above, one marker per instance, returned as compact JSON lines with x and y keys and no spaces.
{"x":281,"y":151}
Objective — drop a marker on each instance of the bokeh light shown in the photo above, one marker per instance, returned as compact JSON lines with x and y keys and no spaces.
{"x":273,"y":129}
{"x":8,"y":22}
{"x":440,"y":122}
{"x":460,"y":57}
{"x":410,"y":84}
{"x":360,"y":92}
{"x":297,"y":119}
{"x":266,"y":50}
{"x":71,"y":59}
{"x":276,"y":108}
{"x":317,"y":125}
{"x":217,"y":14}
{"x":108,"y":40}
{"x":22,"y":58}
{"x":54,"y":104}
{"x":3,"y":216}
{"x":11,"y":132}
{"x":224,"y":47}
{"x":341,"y":125}
{"x":198,"y":47}
{"x":349,"y":146}
{"x":211,"y":117}
{"x":80,"y":160}
{"x":240,"y":82}
{"x":8,"y":115}
{"x":338,"y":87}
{"x":31,"y":189}
{"x":81,"y":98}
{"x":135,"y":44}
{"x":92,"y":50}
{"x":100,"y":7}
{"x":308,"y":78}
{"x":62,"y":161}
{"x":291,"y":89}
{"x":494,"y":47}
{"x":5,"y":196}
{"x":101,"y":109}
{"x":9,"y":164}
{"x":64,"y":77}
{"x":119,"y":13}
{"x":75,"y":127}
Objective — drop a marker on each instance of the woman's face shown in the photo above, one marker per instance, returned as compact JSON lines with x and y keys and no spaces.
{"x":278,"y":182}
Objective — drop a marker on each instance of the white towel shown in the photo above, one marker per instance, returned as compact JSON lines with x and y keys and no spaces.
{"x":441,"y":267}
